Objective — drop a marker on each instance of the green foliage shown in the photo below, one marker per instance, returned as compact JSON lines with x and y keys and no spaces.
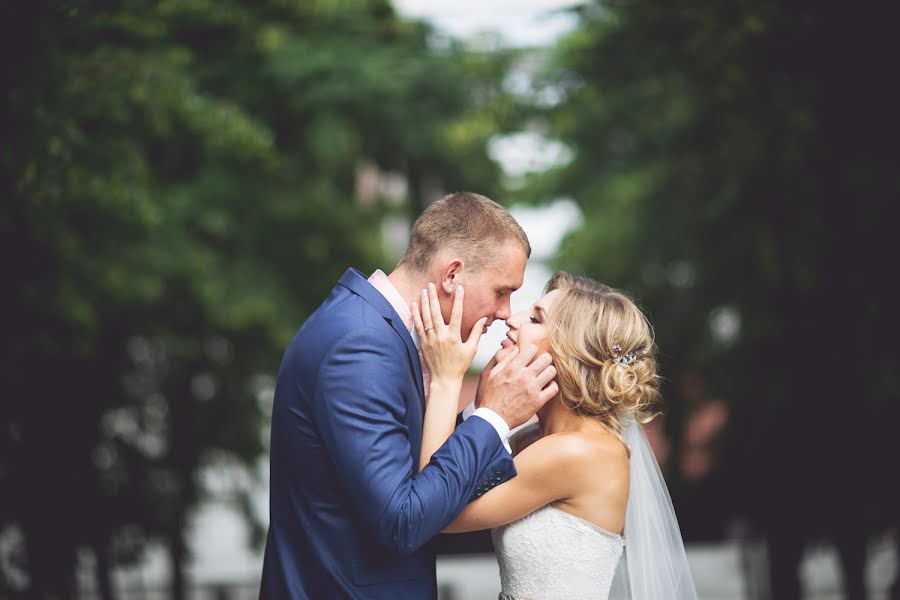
{"x":732,"y":160}
{"x":180,"y":193}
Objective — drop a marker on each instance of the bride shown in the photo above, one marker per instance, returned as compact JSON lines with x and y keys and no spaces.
{"x":588,"y":514}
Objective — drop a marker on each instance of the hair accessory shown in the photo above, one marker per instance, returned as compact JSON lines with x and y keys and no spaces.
{"x":628,"y":358}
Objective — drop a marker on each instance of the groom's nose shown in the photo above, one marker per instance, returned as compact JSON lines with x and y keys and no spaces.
{"x":503,"y":313}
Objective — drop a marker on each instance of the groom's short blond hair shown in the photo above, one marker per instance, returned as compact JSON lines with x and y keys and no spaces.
{"x":471,"y":224}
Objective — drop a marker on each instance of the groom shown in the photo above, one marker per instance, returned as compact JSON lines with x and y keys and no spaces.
{"x":350,"y":513}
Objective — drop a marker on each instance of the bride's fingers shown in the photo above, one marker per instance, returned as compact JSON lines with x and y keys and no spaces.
{"x":426,"y":313}
{"x":436,"y":317}
{"x":457,"y":310}
{"x":475,"y":335}
{"x":417,"y":321}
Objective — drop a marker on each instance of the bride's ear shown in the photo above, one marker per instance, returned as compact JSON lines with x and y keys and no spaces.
{"x":450,"y":276}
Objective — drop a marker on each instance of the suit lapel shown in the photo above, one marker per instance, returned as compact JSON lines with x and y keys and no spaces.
{"x":357,"y":283}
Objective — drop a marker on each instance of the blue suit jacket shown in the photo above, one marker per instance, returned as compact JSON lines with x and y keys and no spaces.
{"x":350,"y":515}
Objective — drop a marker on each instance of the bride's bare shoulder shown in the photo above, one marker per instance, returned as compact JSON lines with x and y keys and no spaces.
{"x":574,"y":463}
{"x":583,"y":449}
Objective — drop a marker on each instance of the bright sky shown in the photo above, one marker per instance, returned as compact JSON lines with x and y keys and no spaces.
{"x":520,"y":22}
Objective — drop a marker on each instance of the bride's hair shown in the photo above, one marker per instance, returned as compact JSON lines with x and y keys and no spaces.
{"x":603,"y":350}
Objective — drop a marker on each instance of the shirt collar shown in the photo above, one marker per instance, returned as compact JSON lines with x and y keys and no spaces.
{"x":381,"y":283}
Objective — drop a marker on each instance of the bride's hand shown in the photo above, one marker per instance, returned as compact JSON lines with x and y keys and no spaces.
{"x":446,"y":355}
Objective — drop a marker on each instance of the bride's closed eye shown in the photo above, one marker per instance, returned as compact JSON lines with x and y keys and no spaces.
{"x":534,"y":320}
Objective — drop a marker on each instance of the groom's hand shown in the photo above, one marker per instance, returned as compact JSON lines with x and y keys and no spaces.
{"x":518,"y":385}
{"x":486,"y":372}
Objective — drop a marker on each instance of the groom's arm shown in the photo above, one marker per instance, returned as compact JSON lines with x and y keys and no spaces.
{"x":360,"y":413}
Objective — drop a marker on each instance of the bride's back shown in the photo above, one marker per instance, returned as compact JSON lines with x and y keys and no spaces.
{"x":596,"y":463}
{"x":603,"y":467}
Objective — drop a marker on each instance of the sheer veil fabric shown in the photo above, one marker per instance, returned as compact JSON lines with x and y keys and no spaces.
{"x":654,"y":565}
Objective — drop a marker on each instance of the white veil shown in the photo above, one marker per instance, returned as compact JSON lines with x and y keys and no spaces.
{"x":654,"y":565}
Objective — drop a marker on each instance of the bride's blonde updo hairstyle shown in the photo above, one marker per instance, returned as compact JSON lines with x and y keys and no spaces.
{"x":603,"y":350}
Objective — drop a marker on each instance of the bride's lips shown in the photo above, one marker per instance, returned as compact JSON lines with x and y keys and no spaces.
{"x":507,"y":341}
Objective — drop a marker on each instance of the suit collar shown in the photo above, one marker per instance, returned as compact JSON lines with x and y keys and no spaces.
{"x":358,"y":283}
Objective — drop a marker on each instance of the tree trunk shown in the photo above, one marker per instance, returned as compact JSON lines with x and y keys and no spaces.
{"x":50,"y":564}
{"x":103,"y":572}
{"x":177,"y":556}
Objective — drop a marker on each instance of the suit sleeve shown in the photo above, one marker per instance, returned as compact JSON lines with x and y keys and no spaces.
{"x":359,"y":409}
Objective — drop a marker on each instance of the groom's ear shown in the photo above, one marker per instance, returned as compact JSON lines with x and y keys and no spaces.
{"x":449,"y":278}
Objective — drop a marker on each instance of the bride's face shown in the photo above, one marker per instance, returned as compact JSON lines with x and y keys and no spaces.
{"x":530,"y":325}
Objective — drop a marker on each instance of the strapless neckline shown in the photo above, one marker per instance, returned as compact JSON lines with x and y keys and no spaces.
{"x":594,"y":526}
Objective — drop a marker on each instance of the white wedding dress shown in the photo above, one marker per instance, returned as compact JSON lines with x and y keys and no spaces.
{"x":552,"y":554}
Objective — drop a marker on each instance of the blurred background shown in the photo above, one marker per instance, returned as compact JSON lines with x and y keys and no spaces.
{"x":183,"y":181}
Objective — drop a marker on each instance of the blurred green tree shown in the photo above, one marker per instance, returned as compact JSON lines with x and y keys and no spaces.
{"x":734,"y":163}
{"x":183,"y":183}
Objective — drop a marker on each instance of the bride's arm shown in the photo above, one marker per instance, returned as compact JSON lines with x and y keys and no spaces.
{"x":440,"y":417}
{"x":447,"y":358}
{"x":550,"y":469}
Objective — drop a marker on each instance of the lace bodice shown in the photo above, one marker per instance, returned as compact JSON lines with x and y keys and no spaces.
{"x":551,"y":554}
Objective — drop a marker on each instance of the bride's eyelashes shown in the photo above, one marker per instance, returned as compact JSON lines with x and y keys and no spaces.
{"x":534,"y":320}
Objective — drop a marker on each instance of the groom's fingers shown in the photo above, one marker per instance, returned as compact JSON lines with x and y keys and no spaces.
{"x":525,"y":355}
{"x":457,"y":311}
{"x":548,"y":392}
{"x":486,"y":371}
{"x":434,"y":304}
{"x":502,"y":363}
{"x":540,"y":363}
{"x":546,"y":375}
